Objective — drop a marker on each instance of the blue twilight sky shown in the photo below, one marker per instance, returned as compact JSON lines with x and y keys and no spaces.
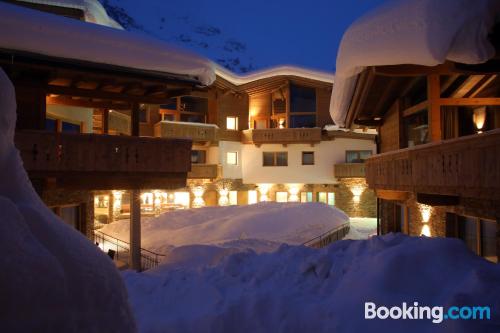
{"x":272,"y":32}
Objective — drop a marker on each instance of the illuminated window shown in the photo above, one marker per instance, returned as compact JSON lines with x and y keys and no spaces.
{"x":232,"y":158}
{"x":307,"y":158}
{"x":306,"y":197}
{"x":232,"y":123}
{"x":357,"y":156}
{"x":252,"y":197}
{"x":327,"y":198}
{"x":281,"y":196}
{"x":233,"y":197}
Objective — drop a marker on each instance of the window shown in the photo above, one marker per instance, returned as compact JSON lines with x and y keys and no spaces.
{"x":307,"y":158}
{"x":198,"y":157}
{"x":233,"y":198}
{"x":302,"y":107}
{"x":275,"y":158}
{"x":306,"y":197}
{"x":70,"y":127}
{"x":489,"y":240}
{"x":232,"y":158}
{"x":193,"y":109}
{"x":281,"y":196}
{"x":327,"y":198}
{"x":232,"y":123}
{"x":416,"y":129}
{"x":467,"y":231}
{"x":252,"y":197}
{"x":357,"y":156}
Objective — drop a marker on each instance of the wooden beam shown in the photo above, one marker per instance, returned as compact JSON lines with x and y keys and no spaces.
{"x":434,"y":108}
{"x":415,"y":108}
{"x":437,"y":199}
{"x":415,"y":70}
{"x":485,"y":84}
{"x":469,"y":84}
{"x":86,"y":103}
{"x":57,"y":90}
{"x":392,"y":195}
{"x":449,"y":82}
{"x":469,"y":101}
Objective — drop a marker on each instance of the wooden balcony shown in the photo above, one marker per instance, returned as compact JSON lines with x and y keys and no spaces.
{"x":283,"y":135}
{"x":203,"y":171}
{"x":91,"y":161}
{"x":228,"y":135}
{"x":349,"y":170}
{"x":182,"y":130}
{"x":462,"y":167}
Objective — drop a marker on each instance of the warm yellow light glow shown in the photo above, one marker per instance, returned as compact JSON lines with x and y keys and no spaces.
{"x":426,"y":212}
{"x":479,"y":118}
{"x":252,"y":197}
{"x":180,"y":198}
{"x":281,"y":196}
{"x":223,"y":197}
{"x":264,"y":189}
{"x":293,"y":190}
{"x":356,"y":191}
{"x":281,"y":123}
{"x":117,"y":202}
{"x":426,"y":231}
{"x":232,"y":158}
{"x":232,"y":123}
{"x":198,"y":192}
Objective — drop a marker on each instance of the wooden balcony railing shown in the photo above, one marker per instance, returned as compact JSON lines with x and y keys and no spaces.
{"x":193,"y":131}
{"x":283,"y":135}
{"x":203,"y":171}
{"x":228,"y":135}
{"x":467,"y":166}
{"x":104,"y":159}
{"x":349,"y":170}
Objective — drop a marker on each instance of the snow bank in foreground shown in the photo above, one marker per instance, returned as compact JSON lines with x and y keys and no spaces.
{"x":292,"y":223}
{"x":420,"y":32}
{"x":53,"y":279}
{"x":299,"y":289}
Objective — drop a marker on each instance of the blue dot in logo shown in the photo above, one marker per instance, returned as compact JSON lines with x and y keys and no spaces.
{"x":445,"y":316}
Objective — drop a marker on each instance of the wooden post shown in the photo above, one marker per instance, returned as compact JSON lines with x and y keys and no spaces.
{"x":135,"y":230}
{"x":434,"y":108}
{"x":135,"y":119}
{"x":105,"y":121}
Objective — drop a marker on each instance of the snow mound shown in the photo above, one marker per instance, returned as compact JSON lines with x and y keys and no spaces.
{"x":420,"y":32}
{"x":53,"y":278}
{"x":292,"y":223}
{"x":299,"y":289}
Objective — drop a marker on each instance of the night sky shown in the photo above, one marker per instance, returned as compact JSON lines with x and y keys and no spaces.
{"x":304,"y":33}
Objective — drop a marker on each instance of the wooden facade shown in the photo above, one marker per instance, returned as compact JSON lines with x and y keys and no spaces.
{"x":438,"y":142}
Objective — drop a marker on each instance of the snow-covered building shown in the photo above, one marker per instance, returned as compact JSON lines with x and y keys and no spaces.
{"x":426,"y":75}
{"x":74,"y":82}
{"x":100,"y":112}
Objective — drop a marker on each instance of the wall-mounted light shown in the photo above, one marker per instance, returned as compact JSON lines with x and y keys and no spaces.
{"x":293,"y":191}
{"x":223,"y":197}
{"x":198,"y":192}
{"x":426,"y":231}
{"x":426,"y":212}
{"x":117,"y":202}
{"x":356,"y":191}
{"x":479,"y":118}
{"x":263,"y":190}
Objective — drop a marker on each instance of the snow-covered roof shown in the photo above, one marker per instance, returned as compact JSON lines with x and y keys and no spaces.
{"x":36,"y":32}
{"x":420,"y":32}
{"x":93,"y":10}
{"x":240,"y":79}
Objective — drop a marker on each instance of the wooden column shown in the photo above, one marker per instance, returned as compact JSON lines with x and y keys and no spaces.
{"x":31,"y":107}
{"x":111,"y":212}
{"x":135,"y":119}
{"x":135,"y":230}
{"x":434,"y":108}
{"x":105,"y":121}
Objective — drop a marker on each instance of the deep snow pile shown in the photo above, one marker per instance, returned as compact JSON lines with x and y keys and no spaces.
{"x":420,"y":32}
{"x":53,"y":279}
{"x":299,"y":289}
{"x":292,"y":223}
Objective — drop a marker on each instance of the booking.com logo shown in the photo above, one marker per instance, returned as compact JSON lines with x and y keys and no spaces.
{"x":436,"y":313}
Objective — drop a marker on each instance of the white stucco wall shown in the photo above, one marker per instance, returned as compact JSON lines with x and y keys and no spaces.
{"x":217,"y":155}
{"x":72,"y":114}
{"x":326,"y":154}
